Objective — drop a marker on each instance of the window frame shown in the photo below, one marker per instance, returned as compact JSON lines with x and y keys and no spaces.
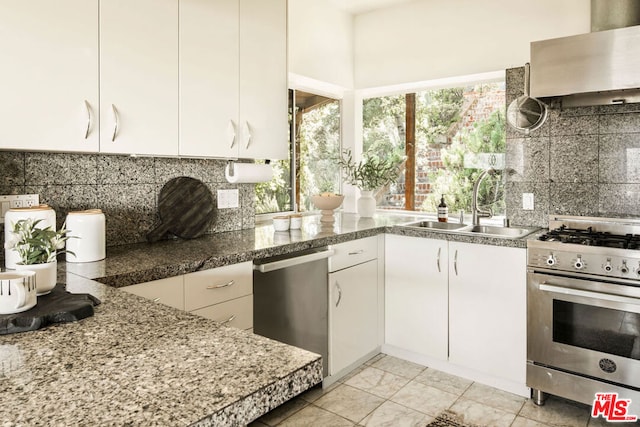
{"x":320,"y":89}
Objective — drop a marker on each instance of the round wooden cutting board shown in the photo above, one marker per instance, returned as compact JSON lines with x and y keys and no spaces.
{"x":186,"y":209}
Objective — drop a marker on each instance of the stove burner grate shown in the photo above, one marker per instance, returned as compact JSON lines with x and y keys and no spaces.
{"x":589,"y":237}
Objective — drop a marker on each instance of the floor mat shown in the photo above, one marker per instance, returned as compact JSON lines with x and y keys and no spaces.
{"x":449,"y":419}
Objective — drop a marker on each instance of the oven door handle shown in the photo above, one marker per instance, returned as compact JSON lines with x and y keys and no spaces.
{"x":544,"y":286}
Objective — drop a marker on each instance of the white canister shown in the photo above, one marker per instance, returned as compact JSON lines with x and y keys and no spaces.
{"x":86,"y":236}
{"x":41,"y":212}
{"x":17,"y":291}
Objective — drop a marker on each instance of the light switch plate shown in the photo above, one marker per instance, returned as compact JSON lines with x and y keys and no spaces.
{"x":527,"y":201}
{"x":228,"y":199}
{"x":17,"y":201}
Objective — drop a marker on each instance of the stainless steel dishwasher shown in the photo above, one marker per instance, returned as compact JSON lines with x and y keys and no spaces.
{"x":290,"y":300}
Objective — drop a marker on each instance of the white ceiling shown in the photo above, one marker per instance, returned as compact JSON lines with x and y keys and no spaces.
{"x":361,"y":6}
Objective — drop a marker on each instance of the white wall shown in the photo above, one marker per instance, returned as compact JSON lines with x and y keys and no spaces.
{"x":432,"y":39}
{"x":321,"y":42}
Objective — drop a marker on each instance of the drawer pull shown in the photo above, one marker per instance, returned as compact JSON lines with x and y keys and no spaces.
{"x":229,"y":320}
{"x":358,"y":252}
{"x":223,"y":285}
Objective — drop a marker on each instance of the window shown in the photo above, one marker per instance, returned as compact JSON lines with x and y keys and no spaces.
{"x":448,"y":137}
{"x":314,"y":133}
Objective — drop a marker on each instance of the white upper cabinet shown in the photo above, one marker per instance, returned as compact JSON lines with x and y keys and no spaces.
{"x":139,"y":76}
{"x":209,"y":77}
{"x":49,"y":75}
{"x":263,"y":79}
{"x":233,"y":79}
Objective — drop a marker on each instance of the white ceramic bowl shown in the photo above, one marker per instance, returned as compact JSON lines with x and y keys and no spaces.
{"x":281,"y":223}
{"x":327,"y":202}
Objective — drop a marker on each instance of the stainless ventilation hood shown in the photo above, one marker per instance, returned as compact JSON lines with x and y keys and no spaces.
{"x":597,"y":68}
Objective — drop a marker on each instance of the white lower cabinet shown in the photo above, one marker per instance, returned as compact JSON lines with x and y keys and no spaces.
{"x":416,"y":295}
{"x":353,"y":299}
{"x":237,"y":312}
{"x":353,"y":304}
{"x":169,"y":291}
{"x":487,"y":309}
{"x":458,"y":307}
{"x":223,"y":294}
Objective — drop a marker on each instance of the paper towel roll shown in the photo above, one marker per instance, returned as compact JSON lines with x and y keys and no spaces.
{"x":42,"y":212}
{"x":244,"y":173}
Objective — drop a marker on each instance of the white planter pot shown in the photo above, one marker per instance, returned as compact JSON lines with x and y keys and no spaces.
{"x":46,"y":275}
{"x":366,"y":204}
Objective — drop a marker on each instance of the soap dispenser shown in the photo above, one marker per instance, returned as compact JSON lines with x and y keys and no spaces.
{"x":443,"y":210}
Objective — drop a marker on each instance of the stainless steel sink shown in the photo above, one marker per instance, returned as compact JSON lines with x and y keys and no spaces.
{"x":490,"y":230}
{"x":481,"y":230}
{"x":435,"y":225}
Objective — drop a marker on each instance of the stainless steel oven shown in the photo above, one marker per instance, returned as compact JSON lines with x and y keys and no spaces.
{"x":583,"y":315}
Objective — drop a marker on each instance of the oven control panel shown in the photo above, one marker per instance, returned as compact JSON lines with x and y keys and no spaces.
{"x":620,"y":265}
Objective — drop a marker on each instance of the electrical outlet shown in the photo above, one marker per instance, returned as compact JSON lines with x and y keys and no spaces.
{"x":17,"y":201}
{"x":527,"y":201}
{"x":228,"y":199}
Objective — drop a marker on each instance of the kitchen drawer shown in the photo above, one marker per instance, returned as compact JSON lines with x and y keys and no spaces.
{"x":237,"y":312}
{"x":169,"y":291}
{"x":351,"y":253}
{"x":217,"y":285}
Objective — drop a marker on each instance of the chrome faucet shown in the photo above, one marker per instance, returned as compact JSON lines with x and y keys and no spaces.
{"x":475,"y":212}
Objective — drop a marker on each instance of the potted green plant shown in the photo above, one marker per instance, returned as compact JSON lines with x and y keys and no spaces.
{"x":369,"y":174}
{"x":37,"y":248}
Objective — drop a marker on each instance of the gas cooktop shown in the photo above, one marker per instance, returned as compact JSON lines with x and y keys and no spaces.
{"x":590,"y":237}
{"x":590,"y":245}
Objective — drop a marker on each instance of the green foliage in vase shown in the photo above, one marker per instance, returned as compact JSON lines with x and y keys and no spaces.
{"x":37,"y":245}
{"x":370,"y":173}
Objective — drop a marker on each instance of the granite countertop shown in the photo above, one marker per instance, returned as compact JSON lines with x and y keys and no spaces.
{"x":136,"y":362}
{"x":130,"y":264}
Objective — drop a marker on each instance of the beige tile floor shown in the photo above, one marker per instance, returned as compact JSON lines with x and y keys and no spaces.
{"x":386,"y":391}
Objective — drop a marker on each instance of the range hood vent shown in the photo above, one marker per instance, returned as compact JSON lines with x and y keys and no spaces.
{"x":598,"y":68}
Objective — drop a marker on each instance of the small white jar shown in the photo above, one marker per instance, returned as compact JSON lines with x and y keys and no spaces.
{"x":87,"y":240}
{"x":281,"y":223}
{"x":296,"y":222}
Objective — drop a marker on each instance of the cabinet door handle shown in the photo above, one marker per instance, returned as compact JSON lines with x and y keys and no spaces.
{"x":222,"y":285}
{"x":88,"y":107}
{"x":247,"y":132}
{"x":438,"y":259}
{"x":358,"y":252}
{"x":455,"y":262}
{"x":232,"y":133}
{"x":229,"y":320}
{"x":339,"y":294}
{"x":115,"y":122}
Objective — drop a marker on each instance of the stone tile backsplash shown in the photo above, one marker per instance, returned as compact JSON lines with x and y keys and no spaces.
{"x":582,"y":161}
{"x":126,"y":188}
